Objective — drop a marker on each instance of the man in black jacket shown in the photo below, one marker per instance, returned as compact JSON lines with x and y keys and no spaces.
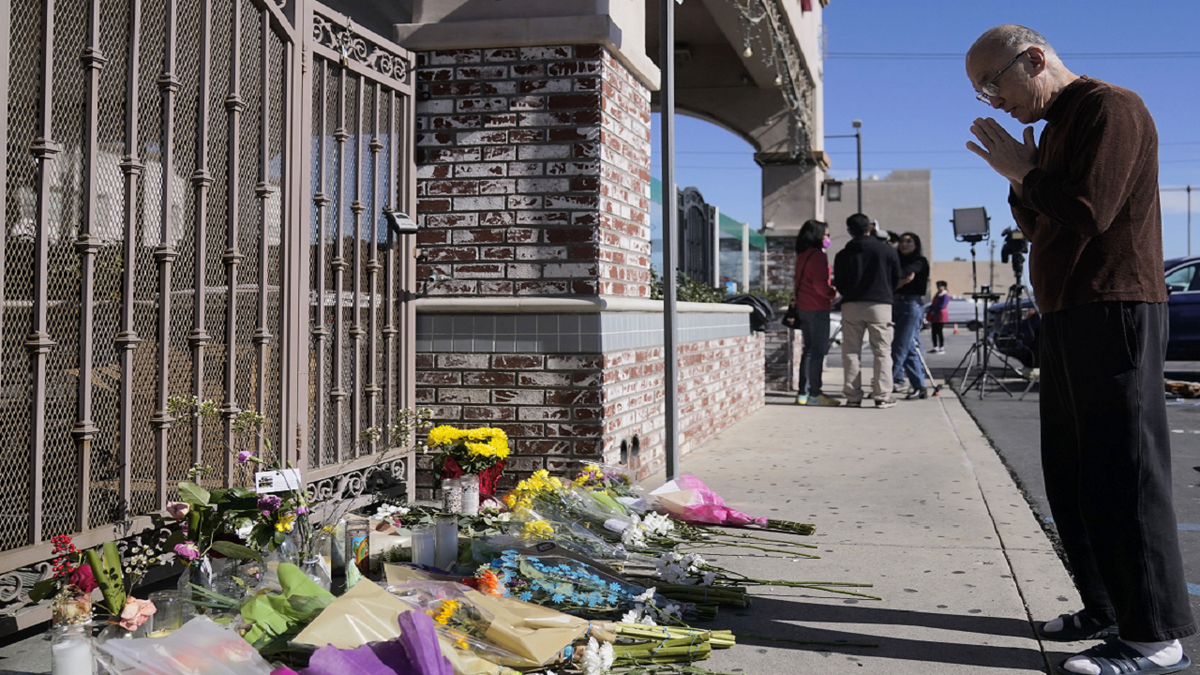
{"x":866,"y":273}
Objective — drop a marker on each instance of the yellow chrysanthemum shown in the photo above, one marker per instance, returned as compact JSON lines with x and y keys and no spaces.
{"x":537,"y":528}
{"x":285,"y":522}
{"x":443,"y":435}
{"x":444,"y":612}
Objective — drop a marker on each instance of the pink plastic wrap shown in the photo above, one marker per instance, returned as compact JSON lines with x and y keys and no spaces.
{"x":690,"y":500}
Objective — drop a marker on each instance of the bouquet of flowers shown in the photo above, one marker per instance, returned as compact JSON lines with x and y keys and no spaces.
{"x":575,"y":587}
{"x":73,"y":582}
{"x":481,"y":451}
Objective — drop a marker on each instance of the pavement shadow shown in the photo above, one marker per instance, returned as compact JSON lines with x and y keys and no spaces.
{"x":773,"y":622}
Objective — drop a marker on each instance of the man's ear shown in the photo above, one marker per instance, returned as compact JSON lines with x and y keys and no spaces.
{"x":1037,"y":59}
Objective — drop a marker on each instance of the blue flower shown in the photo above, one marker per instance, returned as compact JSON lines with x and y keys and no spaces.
{"x":614,"y":585}
{"x":612,"y":599}
{"x":525,"y":597}
{"x":557,"y":597}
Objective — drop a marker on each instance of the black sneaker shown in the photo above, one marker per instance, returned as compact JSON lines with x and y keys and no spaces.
{"x":853,"y":404}
{"x":885,"y":403}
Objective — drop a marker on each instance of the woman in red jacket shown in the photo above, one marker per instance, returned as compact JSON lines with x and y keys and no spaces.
{"x":814,"y":297}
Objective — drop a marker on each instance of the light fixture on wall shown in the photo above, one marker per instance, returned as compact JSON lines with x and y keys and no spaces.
{"x":398,"y":222}
{"x":832,"y":189}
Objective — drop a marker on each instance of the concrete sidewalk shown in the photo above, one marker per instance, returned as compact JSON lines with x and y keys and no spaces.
{"x":911,"y":499}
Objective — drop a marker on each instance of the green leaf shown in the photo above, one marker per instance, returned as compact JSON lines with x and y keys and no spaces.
{"x":193,"y":494}
{"x":232,"y":550}
{"x":279,"y":538}
{"x":177,"y":537}
{"x":42,"y":589}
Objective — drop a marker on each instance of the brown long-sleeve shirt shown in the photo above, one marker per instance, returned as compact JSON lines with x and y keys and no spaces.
{"x":1090,"y":209}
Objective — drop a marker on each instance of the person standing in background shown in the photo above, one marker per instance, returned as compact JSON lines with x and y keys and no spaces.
{"x":906,"y":314}
{"x":866,"y":273}
{"x":814,"y":298}
{"x":939,"y":316}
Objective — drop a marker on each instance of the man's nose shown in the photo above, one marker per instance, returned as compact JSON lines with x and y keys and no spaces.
{"x":996,"y":102}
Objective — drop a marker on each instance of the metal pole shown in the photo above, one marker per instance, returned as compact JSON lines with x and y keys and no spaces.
{"x":745,"y":258}
{"x":1189,"y":193}
{"x":858,"y":141}
{"x":671,"y":225}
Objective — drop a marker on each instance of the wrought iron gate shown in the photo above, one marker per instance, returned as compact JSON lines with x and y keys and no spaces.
{"x":698,"y":237}
{"x":193,"y":195}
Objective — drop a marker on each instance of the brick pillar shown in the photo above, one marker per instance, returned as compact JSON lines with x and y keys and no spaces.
{"x":533,"y":172}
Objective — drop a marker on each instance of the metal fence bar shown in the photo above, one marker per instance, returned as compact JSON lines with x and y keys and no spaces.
{"x":293,"y":315}
{"x":201,"y":180}
{"x":356,"y":328}
{"x":38,"y":343}
{"x":234,"y":105}
{"x":389,"y":280}
{"x":127,"y":339}
{"x":321,"y":331}
{"x":338,"y":395}
{"x":165,"y":253}
{"x":87,"y":244}
{"x":373,"y":265}
{"x":408,"y":270}
{"x":263,"y":190}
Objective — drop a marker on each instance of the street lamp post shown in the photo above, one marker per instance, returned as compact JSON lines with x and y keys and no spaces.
{"x":857,"y":136}
{"x":857,"y":124}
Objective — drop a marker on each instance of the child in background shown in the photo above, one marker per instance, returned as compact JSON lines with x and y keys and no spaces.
{"x":939,"y":315}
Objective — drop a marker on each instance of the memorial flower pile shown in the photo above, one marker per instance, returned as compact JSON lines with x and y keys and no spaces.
{"x":473,"y":451}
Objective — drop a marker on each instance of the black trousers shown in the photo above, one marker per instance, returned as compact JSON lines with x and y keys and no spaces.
{"x":935,"y":330}
{"x":1106,"y":456}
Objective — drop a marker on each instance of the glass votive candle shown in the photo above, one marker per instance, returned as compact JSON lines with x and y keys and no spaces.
{"x":423,"y":545}
{"x":168,"y":612}
{"x":469,"y":484}
{"x":451,"y":495}
{"x":445,"y":541}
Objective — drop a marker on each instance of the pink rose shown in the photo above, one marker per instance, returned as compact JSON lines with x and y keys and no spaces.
{"x":187,"y":550}
{"x":135,"y":613}
{"x":83,"y":579}
{"x":178,"y":510}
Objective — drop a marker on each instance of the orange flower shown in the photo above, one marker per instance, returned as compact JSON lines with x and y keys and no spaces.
{"x":487,"y":582}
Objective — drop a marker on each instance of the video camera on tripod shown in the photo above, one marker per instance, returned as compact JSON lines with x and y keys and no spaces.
{"x":1015,"y":247}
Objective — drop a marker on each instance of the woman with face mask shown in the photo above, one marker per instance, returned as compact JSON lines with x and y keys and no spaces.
{"x":814,"y":298}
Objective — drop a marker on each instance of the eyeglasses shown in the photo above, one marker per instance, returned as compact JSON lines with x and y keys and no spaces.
{"x":987,"y":91}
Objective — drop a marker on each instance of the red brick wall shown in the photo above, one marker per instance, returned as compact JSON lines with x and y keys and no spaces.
{"x":533,"y":172}
{"x":558,"y":409}
{"x":721,"y":381}
{"x":549,"y":405}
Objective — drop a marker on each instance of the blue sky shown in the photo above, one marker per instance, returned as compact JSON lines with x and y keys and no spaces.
{"x":916,"y":112}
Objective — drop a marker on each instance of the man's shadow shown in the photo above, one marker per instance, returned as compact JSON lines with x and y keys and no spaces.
{"x":790,"y":619}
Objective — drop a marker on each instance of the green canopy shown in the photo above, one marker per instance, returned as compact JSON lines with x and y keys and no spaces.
{"x":729,"y":226}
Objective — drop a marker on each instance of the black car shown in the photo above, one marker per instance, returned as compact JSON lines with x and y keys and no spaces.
{"x":1183,"y":308}
{"x":1182,"y":277}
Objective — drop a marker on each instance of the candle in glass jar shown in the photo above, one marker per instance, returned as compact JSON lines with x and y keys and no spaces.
{"x":71,"y":652}
{"x":446,"y":541}
{"x":423,"y":545}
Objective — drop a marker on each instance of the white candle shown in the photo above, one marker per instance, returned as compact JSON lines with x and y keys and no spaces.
{"x":72,"y":657}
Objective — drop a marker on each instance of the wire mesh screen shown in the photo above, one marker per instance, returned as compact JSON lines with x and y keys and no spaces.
{"x":24,"y":97}
{"x":56,"y":200}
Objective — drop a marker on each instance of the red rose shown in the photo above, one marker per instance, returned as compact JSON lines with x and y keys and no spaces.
{"x":83,"y":579}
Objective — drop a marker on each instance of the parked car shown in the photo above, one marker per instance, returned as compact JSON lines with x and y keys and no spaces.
{"x":1182,"y":276}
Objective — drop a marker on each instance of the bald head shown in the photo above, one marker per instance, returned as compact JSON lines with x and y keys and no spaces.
{"x":1009,"y":39}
